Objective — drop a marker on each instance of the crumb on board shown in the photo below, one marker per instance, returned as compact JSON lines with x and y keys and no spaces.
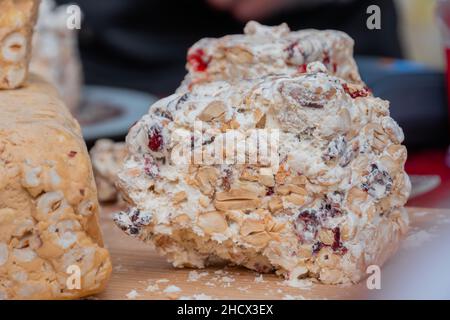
{"x":200,"y":296}
{"x":152,"y":288}
{"x":133,"y":294}
{"x":172,"y":289}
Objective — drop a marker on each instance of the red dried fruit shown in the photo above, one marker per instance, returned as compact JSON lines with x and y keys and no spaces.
{"x":326,"y":58}
{"x":335,"y":67}
{"x":72,"y":154}
{"x":270,"y":191}
{"x":198,"y":60}
{"x":155,"y":139}
{"x":317,"y":247}
{"x":306,"y":224}
{"x":337,"y":244}
{"x":356,"y":93}
{"x":302,"y":68}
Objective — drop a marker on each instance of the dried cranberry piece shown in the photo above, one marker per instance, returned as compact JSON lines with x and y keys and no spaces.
{"x":356,"y":93}
{"x":335,"y":67}
{"x":326,"y":58}
{"x":270,"y":191}
{"x":198,"y":60}
{"x":337,"y":244}
{"x":72,"y":154}
{"x":317,"y":247}
{"x":155,"y":139}
{"x":302,"y":68}
{"x":306,"y":224}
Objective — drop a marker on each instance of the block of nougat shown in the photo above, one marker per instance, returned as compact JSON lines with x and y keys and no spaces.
{"x":264,"y":50}
{"x":331,"y":205}
{"x":55,"y":53}
{"x":49,"y":228}
{"x":17,"y":19}
{"x":107,"y":158}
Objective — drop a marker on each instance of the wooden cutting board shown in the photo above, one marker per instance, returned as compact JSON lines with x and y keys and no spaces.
{"x":139,"y":273}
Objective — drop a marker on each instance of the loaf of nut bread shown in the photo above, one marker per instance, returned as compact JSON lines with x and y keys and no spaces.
{"x":328,"y":204}
{"x":17,"y":19}
{"x":49,"y":228}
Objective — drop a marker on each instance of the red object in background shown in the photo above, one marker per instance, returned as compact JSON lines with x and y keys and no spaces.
{"x":443,"y":19}
{"x":431,"y":162}
{"x":447,"y":55}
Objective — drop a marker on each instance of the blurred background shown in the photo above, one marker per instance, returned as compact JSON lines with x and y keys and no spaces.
{"x":134,"y":51}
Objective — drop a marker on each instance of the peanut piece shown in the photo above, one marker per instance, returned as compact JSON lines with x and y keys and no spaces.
{"x":213,"y":111}
{"x":179,"y":197}
{"x":212,"y":222}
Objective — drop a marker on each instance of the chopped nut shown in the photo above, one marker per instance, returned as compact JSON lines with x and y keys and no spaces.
{"x":206,"y":178}
{"x":248,"y":175}
{"x":6,"y":215}
{"x":236,"y":194}
{"x":296,"y":199}
{"x":260,"y":119}
{"x":275,"y":204}
{"x":267,"y":180}
{"x":213,"y":111}
{"x":212,"y":222}
{"x":236,"y":204}
{"x":326,"y":236}
{"x":259,"y":240}
{"x":182,"y":219}
{"x":179,"y":197}
{"x":204,"y":201}
{"x":239,"y":55}
{"x":251,"y":226}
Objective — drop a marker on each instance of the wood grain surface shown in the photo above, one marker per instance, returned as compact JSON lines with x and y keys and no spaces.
{"x":140,"y":273}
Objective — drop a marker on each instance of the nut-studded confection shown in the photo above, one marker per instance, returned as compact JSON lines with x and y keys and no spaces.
{"x":17,"y":19}
{"x":49,"y":226}
{"x":331,"y":206}
{"x":266,"y":50}
{"x":259,"y":52}
{"x":55,"y":53}
{"x":107,"y":158}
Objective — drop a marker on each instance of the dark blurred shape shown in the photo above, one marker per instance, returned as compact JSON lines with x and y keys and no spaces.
{"x":417,"y":95}
{"x":142,"y":44}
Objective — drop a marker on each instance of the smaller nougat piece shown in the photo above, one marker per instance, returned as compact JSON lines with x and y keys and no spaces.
{"x":264,"y":50}
{"x":107,"y":158}
{"x":17,"y":20}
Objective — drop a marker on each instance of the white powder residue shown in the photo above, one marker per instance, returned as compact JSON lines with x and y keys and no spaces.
{"x":290,"y":297}
{"x":200,"y":296}
{"x":172,"y":289}
{"x":304,"y":284}
{"x":417,"y":239}
{"x":162,"y":280}
{"x":133,"y":294}
{"x":152,"y":288}
{"x":243,"y":289}
{"x":210,"y":284}
{"x":195,"y":276}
